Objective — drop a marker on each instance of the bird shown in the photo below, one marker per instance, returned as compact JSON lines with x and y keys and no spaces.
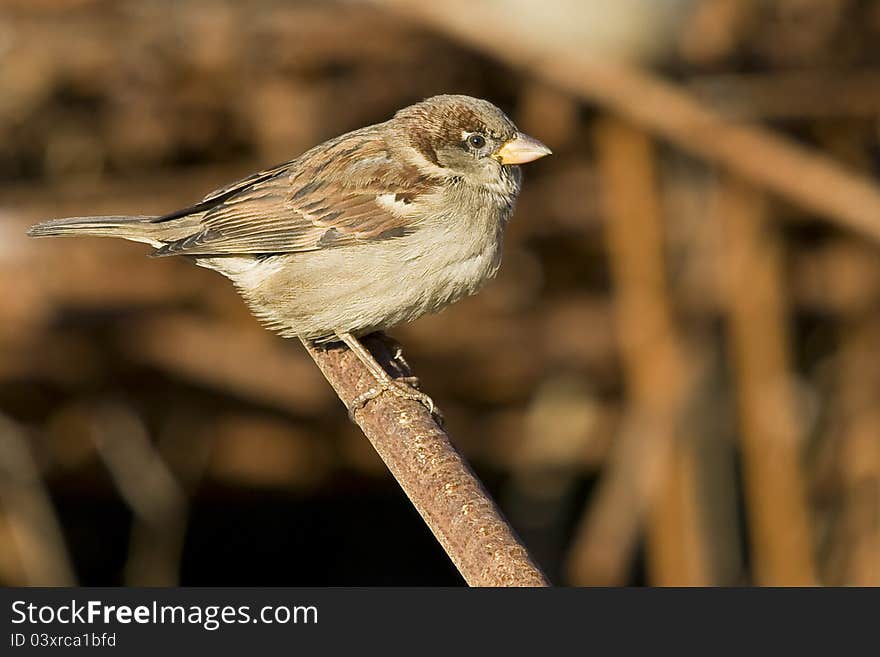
{"x":378,"y":226}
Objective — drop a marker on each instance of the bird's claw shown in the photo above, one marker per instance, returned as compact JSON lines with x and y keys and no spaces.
{"x":396,"y":350}
{"x":404,"y":388}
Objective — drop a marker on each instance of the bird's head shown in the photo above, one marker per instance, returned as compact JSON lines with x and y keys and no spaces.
{"x":466,"y":136}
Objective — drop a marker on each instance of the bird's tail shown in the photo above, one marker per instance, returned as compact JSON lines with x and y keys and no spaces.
{"x":136,"y":229}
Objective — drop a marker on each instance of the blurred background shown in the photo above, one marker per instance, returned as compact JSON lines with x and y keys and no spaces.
{"x":675,"y":379}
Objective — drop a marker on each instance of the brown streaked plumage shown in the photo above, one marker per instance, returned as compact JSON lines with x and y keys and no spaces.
{"x":375,"y":227}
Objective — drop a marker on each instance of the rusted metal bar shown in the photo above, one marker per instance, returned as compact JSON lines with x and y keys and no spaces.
{"x":435,"y":477}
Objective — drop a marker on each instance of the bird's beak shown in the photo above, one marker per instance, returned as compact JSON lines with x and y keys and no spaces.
{"x":521,"y":149}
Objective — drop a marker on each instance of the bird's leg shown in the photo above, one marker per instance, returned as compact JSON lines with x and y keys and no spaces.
{"x":397,"y":356}
{"x":384,"y":381}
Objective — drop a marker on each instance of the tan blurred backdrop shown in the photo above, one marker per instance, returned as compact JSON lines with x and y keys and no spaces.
{"x":675,"y":379}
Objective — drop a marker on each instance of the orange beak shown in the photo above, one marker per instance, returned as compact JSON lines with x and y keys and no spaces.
{"x":521,"y":149}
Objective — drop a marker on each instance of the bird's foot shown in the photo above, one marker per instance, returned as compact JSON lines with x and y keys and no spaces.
{"x":397,"y":356}
{"x":403,"y":387}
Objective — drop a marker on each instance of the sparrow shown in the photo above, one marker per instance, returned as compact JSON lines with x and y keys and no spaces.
{"x":370,"y":229}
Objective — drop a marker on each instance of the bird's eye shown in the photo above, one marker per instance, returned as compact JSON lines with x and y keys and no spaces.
{"x":476,"y":141}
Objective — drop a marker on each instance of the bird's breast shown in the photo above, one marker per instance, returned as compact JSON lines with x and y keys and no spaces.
{"x":375,"y":285}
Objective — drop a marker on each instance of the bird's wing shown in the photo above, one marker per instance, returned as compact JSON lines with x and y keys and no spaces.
{"x":345,"y":191}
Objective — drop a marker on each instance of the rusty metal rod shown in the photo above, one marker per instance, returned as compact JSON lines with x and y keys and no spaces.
{"x":435,"y":477}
